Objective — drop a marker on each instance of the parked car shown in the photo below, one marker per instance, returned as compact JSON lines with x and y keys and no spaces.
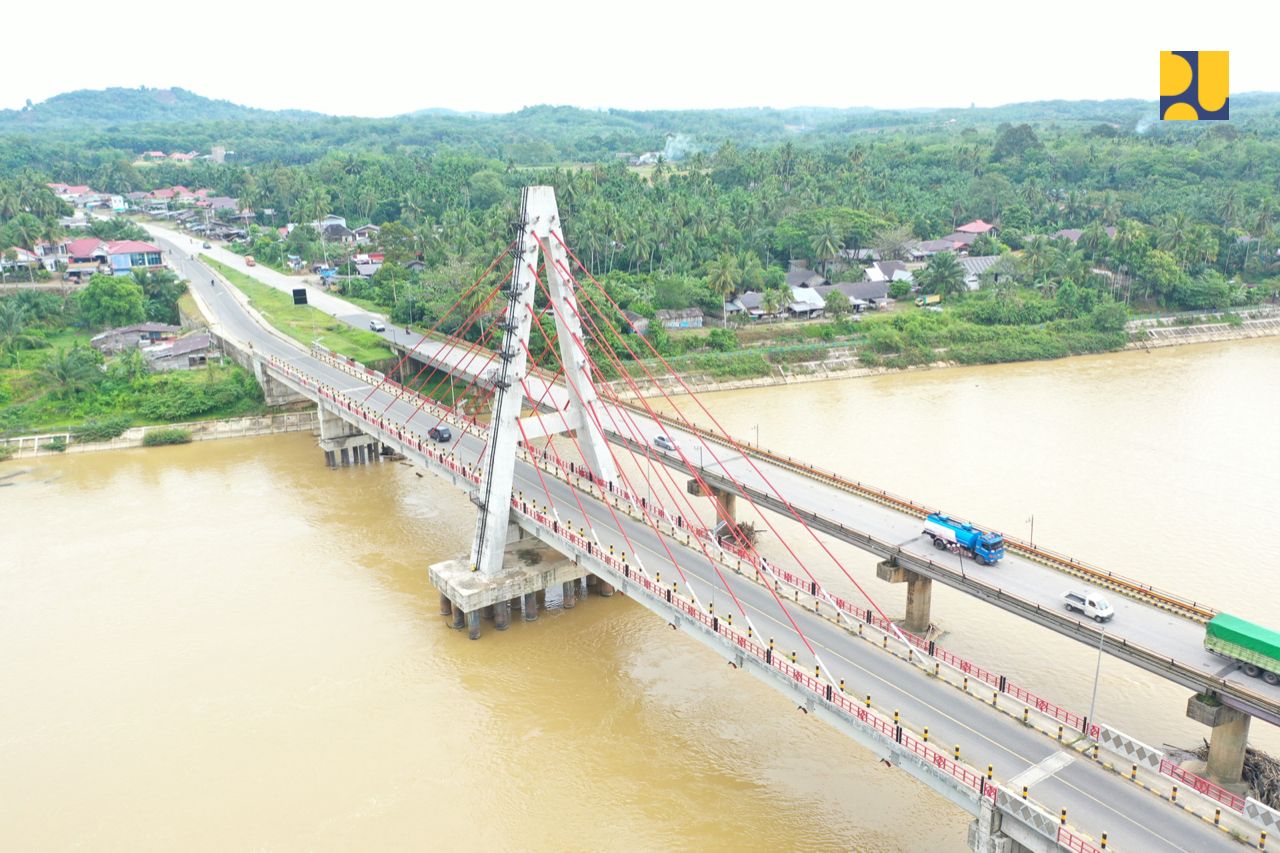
{"x":1089,"y":603}
{"x":207,"y":244}
{"x":440,"y":433}
{"x":663,"y":442}
{"x":377,"y":326}
{"x":249,"y":261}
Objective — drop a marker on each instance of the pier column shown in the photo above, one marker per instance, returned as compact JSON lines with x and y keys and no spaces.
{"x":569,"y":590}
{"x":529,"y":606}
{"x":446,"y":606}
{"x":473,"y":625}
{"x":502,"y":615}
{"x":1228,"y":741}
{"x":919,"y":594}
{"x":459,"y":618}
{"x":605,"y":589}
{"x":330,"y":459}
{"x":726,"y":502}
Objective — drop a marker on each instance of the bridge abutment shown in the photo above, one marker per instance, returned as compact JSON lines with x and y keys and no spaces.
{"x":1227,"y":743}
{"x":919,"y":594}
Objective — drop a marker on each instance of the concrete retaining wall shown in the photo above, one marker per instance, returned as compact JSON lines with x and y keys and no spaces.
{"x":37,"y":445}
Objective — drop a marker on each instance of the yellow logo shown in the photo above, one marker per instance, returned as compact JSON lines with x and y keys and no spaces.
{"x":1193,"y":85}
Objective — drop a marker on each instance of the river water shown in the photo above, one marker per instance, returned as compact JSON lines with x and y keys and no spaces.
{"x":228,"y":646}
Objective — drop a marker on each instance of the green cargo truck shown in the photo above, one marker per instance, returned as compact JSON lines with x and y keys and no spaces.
{"x":1256,"y":648}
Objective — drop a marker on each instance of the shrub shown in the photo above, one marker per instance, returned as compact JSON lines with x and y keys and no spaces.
{"x":160,"y":437}
{"x":58,"y":444}
{"x":103,"y":430}
{"x":6,"y":451}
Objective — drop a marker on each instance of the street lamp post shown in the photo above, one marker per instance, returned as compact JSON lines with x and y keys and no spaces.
{"x":1102,"y":636}
{"x":1032,"y":520}
{"x":757,"y":429}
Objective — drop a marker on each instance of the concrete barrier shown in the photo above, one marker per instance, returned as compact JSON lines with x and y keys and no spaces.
{"x":1135,"y":751}
{"x":1262,"y":816}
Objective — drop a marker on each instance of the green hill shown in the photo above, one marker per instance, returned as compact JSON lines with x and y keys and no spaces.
{"x":135,"y":106}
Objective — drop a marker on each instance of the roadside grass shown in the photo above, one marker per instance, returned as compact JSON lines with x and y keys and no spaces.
{"x":302,"y":322}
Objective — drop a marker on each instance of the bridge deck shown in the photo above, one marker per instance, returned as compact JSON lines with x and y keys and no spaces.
{"x":1097,"y":800}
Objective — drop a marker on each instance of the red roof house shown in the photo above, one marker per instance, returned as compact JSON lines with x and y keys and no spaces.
{"x":977,"y":226}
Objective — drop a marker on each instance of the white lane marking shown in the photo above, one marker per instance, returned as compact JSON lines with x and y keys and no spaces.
{"x":1038,"y":772}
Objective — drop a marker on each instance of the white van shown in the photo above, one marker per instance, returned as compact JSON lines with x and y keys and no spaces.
{"x":1089,"y":603}
{"x":377,"y":326}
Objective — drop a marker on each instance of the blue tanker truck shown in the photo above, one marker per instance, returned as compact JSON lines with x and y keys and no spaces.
{"x":951,"y":535}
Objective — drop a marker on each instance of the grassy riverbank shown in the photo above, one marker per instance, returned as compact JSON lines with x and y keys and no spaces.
{"x":52,"y":380}
{"x":302,"y":322}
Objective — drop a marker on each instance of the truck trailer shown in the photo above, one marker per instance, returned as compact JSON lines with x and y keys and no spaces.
{"x":948,"y":534}
{"x":1255,"y":648}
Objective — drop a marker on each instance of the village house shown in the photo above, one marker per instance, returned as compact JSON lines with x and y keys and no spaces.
{"x":89,"y":255}
{"x":366,"y":233}
{"x":750,"y":303}
{"x":183,"y":354}
{"x":637,"y":323}
{"x":124,"y":338}
{"x":18,"y":260}
{"x":800,"y":277}
{"x":861,"y":294}
{"x":974,"y":267}
{"x":977,"y":227}
{"x":887,"y":271}
{"x":806,"y":302}
{"x":679,"y":318}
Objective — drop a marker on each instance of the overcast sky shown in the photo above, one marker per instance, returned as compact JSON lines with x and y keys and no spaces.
{"x":378,"y":58}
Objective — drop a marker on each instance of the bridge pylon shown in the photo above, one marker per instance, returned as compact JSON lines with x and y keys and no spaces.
{"x":540,"y":235}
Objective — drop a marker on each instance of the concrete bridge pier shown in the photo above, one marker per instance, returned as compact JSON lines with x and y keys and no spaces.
{"x":340,"y":441}
{"x":1227,"y":742}
{"x":459,"y":617}
{"x":569,"y":592}
{"x":726,"y":502}
{"x":446,"y":606}
{"x":986,"y":834}
{"x":919,"y":594}
{"x":529,"y":606}
{"x":473,"y":625}
{"x":605,"y":588}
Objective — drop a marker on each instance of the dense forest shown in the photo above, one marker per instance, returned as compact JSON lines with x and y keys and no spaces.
{"x":1174,"y":216}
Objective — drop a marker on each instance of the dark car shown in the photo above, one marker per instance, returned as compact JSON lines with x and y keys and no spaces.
{"x":440,"y":433}
{"x":208,"y":245}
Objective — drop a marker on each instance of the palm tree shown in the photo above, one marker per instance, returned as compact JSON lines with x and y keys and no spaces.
{"x":13,"y":329}
{"x":723,"y":275}
{"x":944,"y":275}
{"x":826,"y":243}
{"x":69,"y":371}
{"x":1175,"y":229}
{"x":774,"y":299}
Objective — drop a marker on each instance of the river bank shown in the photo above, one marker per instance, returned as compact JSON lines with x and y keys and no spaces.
{"x":844,"y":363}
{"x":47,"y":444}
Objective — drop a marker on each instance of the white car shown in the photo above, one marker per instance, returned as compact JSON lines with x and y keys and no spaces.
{"x":377,"y":326}
{"x":663,"y":442}
{"x":1089,"y":603}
